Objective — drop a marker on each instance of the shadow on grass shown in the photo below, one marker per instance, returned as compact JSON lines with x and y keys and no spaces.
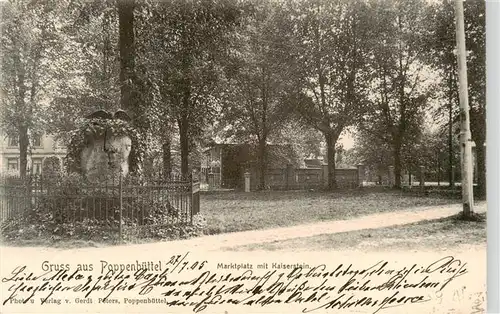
{"x":435,"y":234}
{"x":457,"y":219}
{"x":475,"y":217}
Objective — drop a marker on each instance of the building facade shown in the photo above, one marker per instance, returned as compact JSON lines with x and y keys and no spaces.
{"x":41,"y":148}
{"x":224,"y":165}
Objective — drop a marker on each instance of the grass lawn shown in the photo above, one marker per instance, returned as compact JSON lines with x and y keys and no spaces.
{"x":240,"y":211}
{"x":438,"y":234}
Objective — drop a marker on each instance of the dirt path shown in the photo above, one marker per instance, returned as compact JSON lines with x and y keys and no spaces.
{"x":222,"y":241}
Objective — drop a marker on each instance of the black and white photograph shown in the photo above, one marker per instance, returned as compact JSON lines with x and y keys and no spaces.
{"x":243,"y":156}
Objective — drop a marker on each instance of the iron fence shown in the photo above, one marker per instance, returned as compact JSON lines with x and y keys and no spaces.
{"x":143,"y":201}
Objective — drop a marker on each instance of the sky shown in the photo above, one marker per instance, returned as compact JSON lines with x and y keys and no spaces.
{"x":347,"y":140}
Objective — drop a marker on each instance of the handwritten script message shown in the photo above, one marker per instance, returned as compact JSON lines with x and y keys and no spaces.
{"x":199,"y":284}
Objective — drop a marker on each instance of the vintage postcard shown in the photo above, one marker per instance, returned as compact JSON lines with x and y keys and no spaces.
{"x":247,"y":156}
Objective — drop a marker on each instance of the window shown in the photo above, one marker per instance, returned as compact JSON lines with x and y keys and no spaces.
{"x":13,"y":141}
{"x":37,"y":140}
{"x":12,"y":164}
{"x":36,"y":165}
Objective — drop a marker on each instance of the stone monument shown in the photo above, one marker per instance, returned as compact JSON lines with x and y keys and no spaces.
{"x":106,"y":146}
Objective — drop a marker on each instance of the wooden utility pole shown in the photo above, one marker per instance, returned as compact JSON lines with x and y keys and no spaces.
{"x":465,"y":134}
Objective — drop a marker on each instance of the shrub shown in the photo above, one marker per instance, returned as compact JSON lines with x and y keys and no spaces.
{"x":51,"y":166}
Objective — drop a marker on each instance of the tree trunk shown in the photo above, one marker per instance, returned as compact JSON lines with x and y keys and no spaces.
{"x":397,"y":166}
{"x":128,"y":92}
{"x":262,"y":163}
{"x":22,"y":106}
{"x":183,"y":122}
{"x":481,"y":168}
{"x":184,"y":142}
{"x":331,"y":140}
{"x":166,"y":158}
{"x":23,"y":150}
{"x":127,"y":53}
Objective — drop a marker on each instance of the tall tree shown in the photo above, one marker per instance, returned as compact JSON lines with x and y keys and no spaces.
{"x":442,"y":47}
{"x":475,"y":31}
{"x":151,"y":20}
{"x":87,"y":67}
{"x":29,"y":32}
{"x":331,"y":48}
{"x":192,"y":37}
{"x":127,"y":54}
{"x":258,"y":105}
{"x":130,"y":85}
{"x":401,"y":82}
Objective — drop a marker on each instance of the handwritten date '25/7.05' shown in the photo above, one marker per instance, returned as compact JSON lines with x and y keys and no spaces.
{"x":180,"y":282}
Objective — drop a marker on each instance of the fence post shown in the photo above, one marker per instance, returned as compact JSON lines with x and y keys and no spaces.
{"x":391,"y":176}
{"x":361,"y":175}
{"x":27,"y":186}
{"x":247,"y":181}
{"x":195,"y":197}
{"x":211,"y":180}
{"x":120,"y":226}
